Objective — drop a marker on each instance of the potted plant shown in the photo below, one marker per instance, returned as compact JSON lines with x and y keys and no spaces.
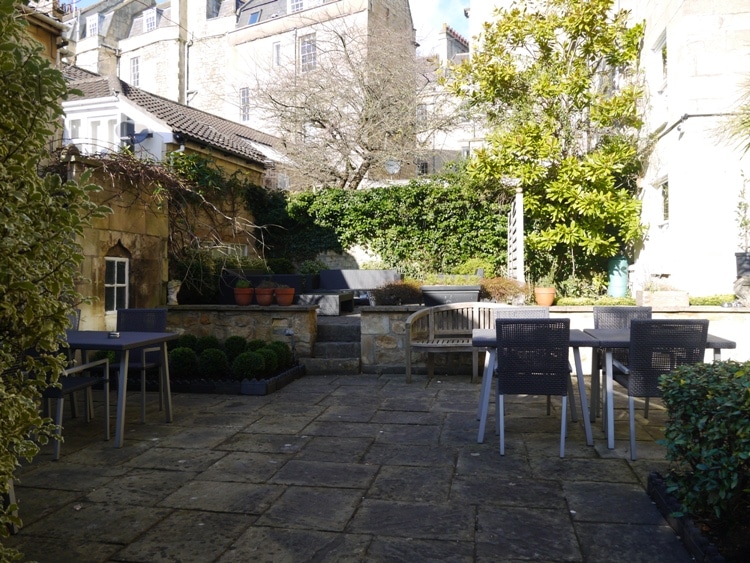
{"x":395,"y":293}
{"x":450,"y":288}
{"x":742,"y":216}
{"x":264,"y":292}
{"x":310,"y":271}
{"x":544,"y":290}
{"x":243,"y":292}
{"x":284,"y":294}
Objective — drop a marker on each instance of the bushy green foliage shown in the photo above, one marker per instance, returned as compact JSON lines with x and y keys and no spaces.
{"x":602,"y":300}
{"x":234,"y":346}
{"x":563,"y":131}
{"x":708,"y":437}
{"x":255,"y":344}
{"x":213,"y":364}
{"x":281,"y":265}
{"x":183,"y":363}
{"x":501,"y":289}
{"x":283,"y":353}
{"x":248,"y":365}
{"x":397,"y":293}
{"x":41,"y":222}
{"x":270,"y":358}
{"x":471,"y":266}
{"x":711,"y":300}
{"x":206,"y":342}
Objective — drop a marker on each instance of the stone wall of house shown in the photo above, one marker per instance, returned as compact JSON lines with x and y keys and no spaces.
{"x":298,"y":322}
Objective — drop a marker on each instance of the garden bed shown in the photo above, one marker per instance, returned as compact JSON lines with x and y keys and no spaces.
{"x":225,"y":387}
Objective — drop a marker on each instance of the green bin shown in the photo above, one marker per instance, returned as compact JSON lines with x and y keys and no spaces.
{"x":618,"y":277}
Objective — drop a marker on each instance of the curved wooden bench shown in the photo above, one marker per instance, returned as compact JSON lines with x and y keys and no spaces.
{"x":447,"y":328}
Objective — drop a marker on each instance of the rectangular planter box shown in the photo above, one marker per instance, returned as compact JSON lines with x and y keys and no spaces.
{"x":658,"y":299}
{"x":443,"y":294}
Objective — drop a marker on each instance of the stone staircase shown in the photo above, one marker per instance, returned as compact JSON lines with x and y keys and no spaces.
{"x":337,"y":348}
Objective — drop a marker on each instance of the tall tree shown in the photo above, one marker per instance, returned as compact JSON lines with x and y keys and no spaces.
{"x":350,"y":110}
{"x":40,"y":218}
{"x":557,"y":81}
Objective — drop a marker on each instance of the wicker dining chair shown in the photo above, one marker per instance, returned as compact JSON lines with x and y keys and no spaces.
{"x":612,"y":317}
{"x":657,"y":347}
{"x":532,"y":359}
{"x":143,"y":359}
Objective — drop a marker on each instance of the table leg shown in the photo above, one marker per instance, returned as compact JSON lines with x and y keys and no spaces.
{"x":582,"y":393}
{"x":484,"y":396}
{"x":610,"y":415}
{"x":122,"y":392}
{"x":595,"y":383}
{"x":165,"y":382}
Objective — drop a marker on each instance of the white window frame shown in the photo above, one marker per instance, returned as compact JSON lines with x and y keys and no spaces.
{"x":254,"y":17}
{"x":296,"y":6}
{"x":245,"y":103}
{"x":92,"y":25}
{"x":276,"y":54}
{"x":660,"y":54}
{"x":307,"y":53}
{"x":117,"y":289}
{"x":135,"y":73}
{"x":149,"y":20}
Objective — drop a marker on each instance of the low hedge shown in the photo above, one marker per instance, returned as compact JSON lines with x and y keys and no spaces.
{"x":707,"y":436}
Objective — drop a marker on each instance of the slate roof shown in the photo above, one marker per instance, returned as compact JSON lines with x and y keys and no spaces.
{"x":193,"y":124}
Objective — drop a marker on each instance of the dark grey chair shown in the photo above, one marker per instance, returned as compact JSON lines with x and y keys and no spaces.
{"x":532,"y":359}
{"x":657,"y":347}
{"x":69,"y":383}
{"x":143,"y":359}
{"x":612,"y":317}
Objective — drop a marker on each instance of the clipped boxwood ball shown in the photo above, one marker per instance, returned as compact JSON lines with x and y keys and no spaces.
{"x":213,"y":364}
{"x":271,"y":359}
{"x":255,"y":344}
{"x":206,"y":342}
{"x":248,"y":365}
{"x":183,"y":363}
{"x":187,"y":341}
{"x":283,"y":352}
{"x":234,"y":346}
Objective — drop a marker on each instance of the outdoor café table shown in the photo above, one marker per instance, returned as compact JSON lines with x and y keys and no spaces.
{"x":87,"y":340}
{"x":609,"y":339}
{"x":487,"y":339}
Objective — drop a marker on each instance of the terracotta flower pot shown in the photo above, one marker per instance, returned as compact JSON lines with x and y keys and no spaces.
{"x":243,"y":295}
{"x":284,"y":295}
{"x":264,"y":296}
{"x":544,"y":296}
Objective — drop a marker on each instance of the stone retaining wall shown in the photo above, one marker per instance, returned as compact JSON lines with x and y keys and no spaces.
{"x":265,"y":323}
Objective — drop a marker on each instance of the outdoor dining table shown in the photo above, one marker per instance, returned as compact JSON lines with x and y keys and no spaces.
{"x":487,"y":339}
{"x":124,"y":342}
{"x":608,"y":340}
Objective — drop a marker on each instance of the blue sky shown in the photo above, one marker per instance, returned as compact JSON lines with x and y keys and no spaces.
{"x":428,"y":16}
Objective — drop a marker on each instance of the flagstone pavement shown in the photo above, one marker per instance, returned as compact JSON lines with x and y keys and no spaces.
{"x":344,"y":468}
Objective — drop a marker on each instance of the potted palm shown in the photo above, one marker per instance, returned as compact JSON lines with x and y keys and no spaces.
{"x":243,"y":292}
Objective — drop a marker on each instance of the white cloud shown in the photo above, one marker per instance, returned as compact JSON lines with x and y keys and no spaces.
{"x":430,"y":15}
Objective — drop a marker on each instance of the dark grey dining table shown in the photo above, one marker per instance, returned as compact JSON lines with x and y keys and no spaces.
{"x":90,"y":340}
{"x":487,"y":339}
{"x":610,"y":339}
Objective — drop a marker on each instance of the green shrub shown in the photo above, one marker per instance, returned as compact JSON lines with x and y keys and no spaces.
{"x":183,"y":363}
{"x":234,"y":346}
{"x":205,"y":342}
{"x":255,"y":344}
{"x":187,"y":341}
{"x":501,"y":290}
{"x":708,"y":437}
{"x":470,"y":267}
{"x":312,"y":267}
{"x":271,"y":359}
{"x":711,"y":300}
{"x":248,"y":365}
{"x":397,"y":293}
{"x":280,"y":265}
{"x":283,"y":353}
{"x":213,"y":364}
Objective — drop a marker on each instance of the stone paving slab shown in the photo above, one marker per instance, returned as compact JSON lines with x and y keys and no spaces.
{"x":345,"y":468}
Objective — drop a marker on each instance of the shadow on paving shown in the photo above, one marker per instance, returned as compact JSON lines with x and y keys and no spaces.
{"x":349,"y":468}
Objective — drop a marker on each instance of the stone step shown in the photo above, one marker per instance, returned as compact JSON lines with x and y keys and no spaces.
{"x":331,"y":366}
{"x":337,"y":350}
{"x":344,"y":332}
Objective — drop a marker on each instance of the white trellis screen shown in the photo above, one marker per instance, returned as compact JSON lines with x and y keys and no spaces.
{"x":515,"y":238}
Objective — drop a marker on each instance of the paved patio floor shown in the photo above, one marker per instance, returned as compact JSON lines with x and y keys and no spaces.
{"x":349,"y":468}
